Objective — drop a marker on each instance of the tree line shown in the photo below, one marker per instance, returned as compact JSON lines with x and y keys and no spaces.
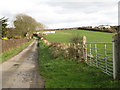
{"x":24,"y":26}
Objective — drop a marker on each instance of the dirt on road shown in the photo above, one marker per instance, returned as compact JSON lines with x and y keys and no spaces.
{"x":21,"y":71}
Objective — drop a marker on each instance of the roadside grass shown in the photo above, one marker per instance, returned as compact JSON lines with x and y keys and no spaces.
{"x":92,"y":36}
{"x":60,"y":73}
{"x":8,"y":54}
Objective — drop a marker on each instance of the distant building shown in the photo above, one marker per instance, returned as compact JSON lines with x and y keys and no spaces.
{"x":46,"y":32}
{"x":37,"y":32}
{"x":104,"y":26}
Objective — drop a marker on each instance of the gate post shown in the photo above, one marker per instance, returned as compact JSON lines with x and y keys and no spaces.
{"x":84,"y":48}
{"x":116,"y":57}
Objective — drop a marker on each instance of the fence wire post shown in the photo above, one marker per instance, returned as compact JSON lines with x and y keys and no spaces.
{"x":116,"y":57}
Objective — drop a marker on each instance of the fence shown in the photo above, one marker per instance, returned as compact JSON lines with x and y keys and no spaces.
{"x":9,"y":44}
{"x":100,"y":55}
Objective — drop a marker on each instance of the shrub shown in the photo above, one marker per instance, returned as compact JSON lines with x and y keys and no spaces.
{"x":76,"y":39}
{"x":71,"y":51}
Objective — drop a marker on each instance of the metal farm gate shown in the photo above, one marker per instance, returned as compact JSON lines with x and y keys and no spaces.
{"x":105,"y":56}
{"x":101,"y":56}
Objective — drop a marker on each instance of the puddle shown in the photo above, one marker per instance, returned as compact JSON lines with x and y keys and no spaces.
{"x":16,"y":65}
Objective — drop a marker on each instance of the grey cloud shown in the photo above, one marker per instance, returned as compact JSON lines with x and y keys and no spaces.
{"x":102,"y":9}
{"x":86,"y":7}
{"x":57,"y":12}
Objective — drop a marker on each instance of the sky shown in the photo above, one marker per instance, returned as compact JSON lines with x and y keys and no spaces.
{"x":63,"y":13}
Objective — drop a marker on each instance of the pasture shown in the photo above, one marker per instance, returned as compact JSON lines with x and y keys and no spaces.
{"x":102,"y":53}
{"x":102,"y":80}
{"x":92,"y":36}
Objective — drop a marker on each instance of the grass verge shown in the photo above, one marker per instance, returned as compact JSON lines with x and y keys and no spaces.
{"x":60,"y":73}
{"x":8,"y":54}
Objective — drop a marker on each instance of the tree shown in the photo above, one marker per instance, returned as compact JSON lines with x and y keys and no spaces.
{"x":26,"y":25}
{"x":4,"y":25}
{"x":10,"y":33}
{"x":40,"y":26}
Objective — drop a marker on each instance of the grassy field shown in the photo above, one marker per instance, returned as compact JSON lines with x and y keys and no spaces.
{"x":6,"y":55}
{"x":92,"y":36}
{"x":60,"y":73}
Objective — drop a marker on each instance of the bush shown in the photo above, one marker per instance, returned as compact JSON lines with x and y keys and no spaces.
{"x":76,"y":39}
{"x":71,"y":51}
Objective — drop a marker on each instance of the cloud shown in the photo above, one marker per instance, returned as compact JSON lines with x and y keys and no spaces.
{"x":63,"y":13}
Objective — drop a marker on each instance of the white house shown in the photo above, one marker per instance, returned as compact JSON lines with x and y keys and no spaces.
{"x":104,"y":26}
{"x":46,"y":32}
{"x":37,"y":32}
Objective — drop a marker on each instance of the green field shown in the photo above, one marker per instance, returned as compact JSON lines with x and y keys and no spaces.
{"x":61,"y":73}
{"x":92,"y":36}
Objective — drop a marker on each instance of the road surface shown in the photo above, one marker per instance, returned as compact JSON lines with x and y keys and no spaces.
{"x":21,"y":71}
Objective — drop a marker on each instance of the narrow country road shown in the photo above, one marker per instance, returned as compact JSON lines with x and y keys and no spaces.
{"x":21,"y":71}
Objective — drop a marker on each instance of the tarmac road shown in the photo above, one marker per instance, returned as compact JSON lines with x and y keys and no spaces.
{"x":21,"y":71}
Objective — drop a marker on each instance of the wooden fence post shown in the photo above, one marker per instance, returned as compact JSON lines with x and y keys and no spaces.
{"x":116,"y":57}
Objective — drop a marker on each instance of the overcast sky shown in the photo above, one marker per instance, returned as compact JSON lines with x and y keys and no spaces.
{"x":63,"y":13}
